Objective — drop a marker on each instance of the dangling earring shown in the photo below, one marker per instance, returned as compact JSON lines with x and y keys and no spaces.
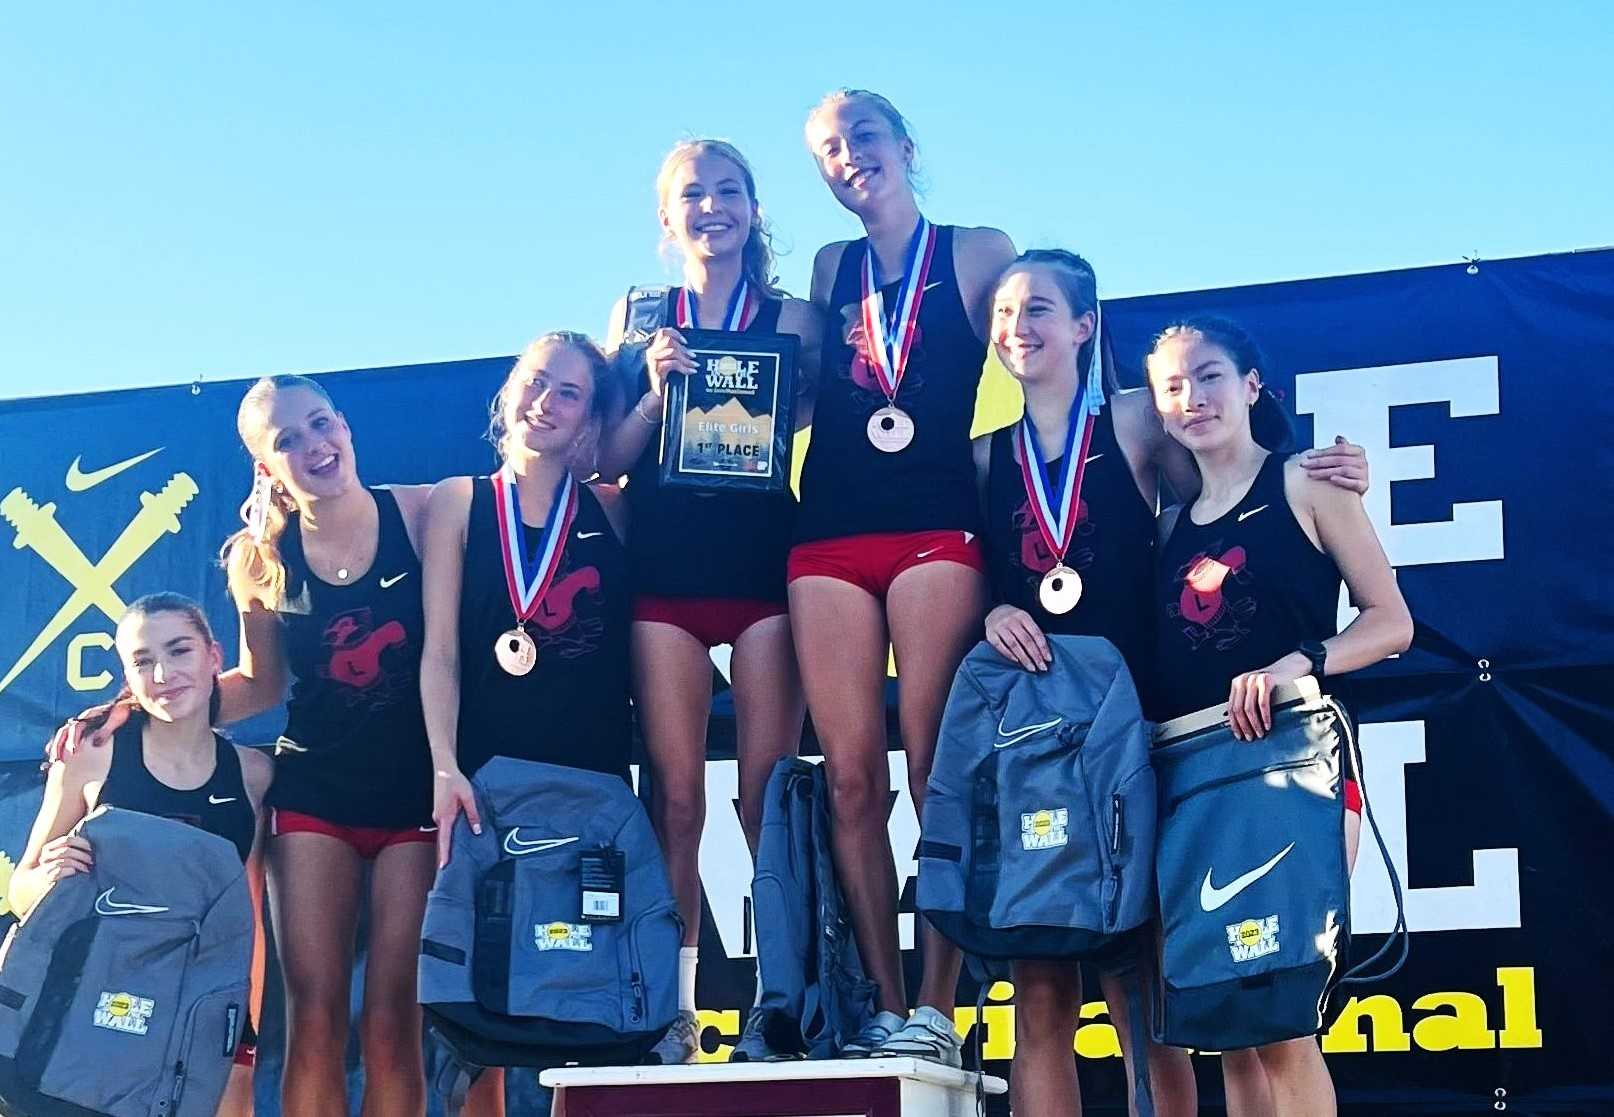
{"x":255,"y":512}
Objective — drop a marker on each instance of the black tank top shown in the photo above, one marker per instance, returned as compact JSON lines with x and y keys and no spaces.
{"x":847,"y":486}
{"x":1113,"y":548}
{"x":572,"y":707}
{"x":220,"y":806}
{"x":687,"y":543}
{"x":354,"y":751}
{"x":1235,"y":595}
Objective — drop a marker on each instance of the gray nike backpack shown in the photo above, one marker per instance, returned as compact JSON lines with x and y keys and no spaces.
{"x":552,"y":937}
{"x":124,"y":992}
{"x":1253,"y":888}
{"x":1039,"y":823}
{"x":814,"y":995}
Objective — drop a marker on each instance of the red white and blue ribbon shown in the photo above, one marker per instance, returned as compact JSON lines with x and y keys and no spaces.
{"x":891,"y":338}
{"x":742,"y":308}
{"x":1055,"y":506}
{"x":527,"y":580}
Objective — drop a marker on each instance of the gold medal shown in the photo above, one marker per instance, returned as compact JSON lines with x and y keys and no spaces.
{"x":1061,"y":589}
{"x":515,"y":651}
{"x":890,"y":429}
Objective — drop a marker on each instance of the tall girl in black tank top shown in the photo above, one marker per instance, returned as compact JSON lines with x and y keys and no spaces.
{"x":526,"y":590}
{"x":708,"y":568}
{"x":1096,"y":521}
{"x":327,"y":582}
{"x":887,"y":554}
{"x":165,"y":760}
{"x":1248,"y":580}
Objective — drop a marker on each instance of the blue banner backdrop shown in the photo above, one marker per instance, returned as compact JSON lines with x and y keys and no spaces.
{"x":1480,"y":397}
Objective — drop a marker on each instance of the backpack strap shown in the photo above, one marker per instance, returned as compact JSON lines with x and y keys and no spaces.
{"x":646,"y":311}
{"x":1399,"y":935}
{"x":454,"y":1080}
{"x":1142,"y":1096}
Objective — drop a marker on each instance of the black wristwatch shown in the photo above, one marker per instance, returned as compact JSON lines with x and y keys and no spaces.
{"x":1317,"y":654}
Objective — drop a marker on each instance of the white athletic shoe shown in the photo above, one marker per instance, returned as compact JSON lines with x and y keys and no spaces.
{"x":927,"y":1035}
{"x":873,"y":1036}
{"x":679,"y":1044}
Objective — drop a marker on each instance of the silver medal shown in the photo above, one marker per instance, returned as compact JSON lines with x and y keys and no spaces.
{"x":890,"y":429}
{"x":515,"y":652}
{"x":1061,"y":589}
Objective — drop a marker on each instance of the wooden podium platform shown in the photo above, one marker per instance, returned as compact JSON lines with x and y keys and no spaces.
{"x":804,"y":1088}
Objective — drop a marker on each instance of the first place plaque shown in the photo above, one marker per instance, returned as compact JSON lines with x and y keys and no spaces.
{"x":729,"y":424}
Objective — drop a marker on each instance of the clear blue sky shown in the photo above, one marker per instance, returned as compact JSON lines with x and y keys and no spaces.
{"x":222,"y":190}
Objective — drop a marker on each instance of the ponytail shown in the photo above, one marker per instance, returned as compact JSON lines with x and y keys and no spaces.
{"x":251,"y":557}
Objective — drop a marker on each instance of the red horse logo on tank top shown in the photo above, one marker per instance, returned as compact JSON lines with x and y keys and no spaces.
{"x":561,"y":630}
{"x":1203,"y":601}
{"x":354,"y":647}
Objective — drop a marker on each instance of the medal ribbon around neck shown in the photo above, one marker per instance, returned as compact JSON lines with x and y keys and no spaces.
{"x":1055,"y":508}
{"x":742,"y":309}
{"x":889,"y":349}
{"x":526,"y":582}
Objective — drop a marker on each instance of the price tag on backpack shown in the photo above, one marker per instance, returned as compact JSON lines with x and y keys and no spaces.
{"x":603,"y":873}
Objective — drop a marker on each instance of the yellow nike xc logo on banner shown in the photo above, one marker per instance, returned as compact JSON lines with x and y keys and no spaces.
{"x":78,"y":480}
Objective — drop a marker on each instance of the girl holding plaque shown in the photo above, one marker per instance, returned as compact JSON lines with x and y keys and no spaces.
{"x":1247,"y":590}
{"x":886,"y":550}
{"x":1070,"y":491}
{"x":708,"y":567}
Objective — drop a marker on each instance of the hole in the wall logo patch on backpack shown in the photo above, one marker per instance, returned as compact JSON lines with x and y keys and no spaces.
{"x":124,"y":1012}
{"x":563,"y":936}
{"x":1045,"y":829}
{"x":1253,"y":938}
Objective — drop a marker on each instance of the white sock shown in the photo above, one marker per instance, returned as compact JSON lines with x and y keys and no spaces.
{"x":688,"y":956}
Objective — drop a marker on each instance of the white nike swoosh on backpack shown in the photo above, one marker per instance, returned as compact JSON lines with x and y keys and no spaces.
{"x":106,"y":905}
{"x":588,"y":534}
{"x":388,"y":583}
{"x":217,"y":802}
{"x":515,"y":846}
{"x":1211,"y":897}
{"x":1246,"y":515}
{"x":931,"y":286}
{"x":1007,"y":737}
{"x":1091,"y":458}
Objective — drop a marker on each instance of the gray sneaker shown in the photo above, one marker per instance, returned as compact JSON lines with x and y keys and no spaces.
{"x":753,"y":1045}
{"x":873,"y":1036}
{"x":927,"y":1035}
{"x":679,"y":1044}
